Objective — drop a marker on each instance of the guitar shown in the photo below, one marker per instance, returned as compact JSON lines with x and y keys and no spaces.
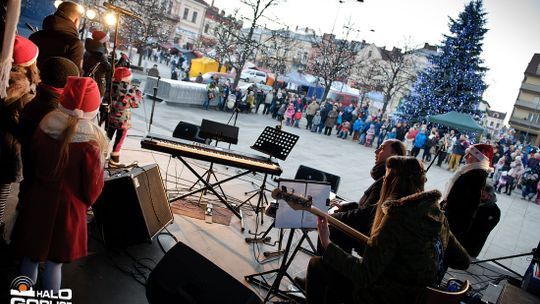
{"x":298,"y":202}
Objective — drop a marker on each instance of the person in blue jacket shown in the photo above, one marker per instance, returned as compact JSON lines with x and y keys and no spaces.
{"x":419,"y":142}
{"x":357,"y":127}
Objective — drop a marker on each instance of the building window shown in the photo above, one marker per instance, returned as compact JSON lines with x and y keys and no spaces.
{"x":186,"y":13}
{"x":206,"y":28}
{"x":491,"y":124}
{"x":194,"y":17}
{"x":497,"y":126}
{"x":534,"y":118}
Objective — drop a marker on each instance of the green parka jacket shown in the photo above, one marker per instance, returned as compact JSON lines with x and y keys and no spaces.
{"x":401,"y":260}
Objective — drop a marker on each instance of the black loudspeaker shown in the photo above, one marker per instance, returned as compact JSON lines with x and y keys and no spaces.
{"x":133,"y":206}
{"x":188,"y":131}
{"x":308,"y":173}
{"x":184,"y":276}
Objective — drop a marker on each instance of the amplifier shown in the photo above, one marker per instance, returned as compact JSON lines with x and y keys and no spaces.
{"x":133,"y":206}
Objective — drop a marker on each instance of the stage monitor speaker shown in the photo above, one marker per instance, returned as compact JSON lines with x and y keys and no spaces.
{"x":307,"y":173}
{"x":184,"y":276}
{"x":188,"y":131}
{"x":133,"y":206}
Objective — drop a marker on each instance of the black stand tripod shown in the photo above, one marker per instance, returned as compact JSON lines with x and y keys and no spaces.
{"x":234,"y":115}
{"x":154,"y":97}
{"x":281,"y":272}
{"x":275,"y":143}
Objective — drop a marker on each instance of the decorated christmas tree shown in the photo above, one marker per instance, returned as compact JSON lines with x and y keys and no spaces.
{"x":454,"y":79}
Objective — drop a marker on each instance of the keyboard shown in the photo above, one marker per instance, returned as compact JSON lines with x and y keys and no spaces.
{"x":178,"y":147}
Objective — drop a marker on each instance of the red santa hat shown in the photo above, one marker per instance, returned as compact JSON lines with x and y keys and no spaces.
{"x":100,"y":36}
{"x":122,"y":74}
{"x":482,"y":152}
{"x":81,"y":98}
{"x":25,"y":52}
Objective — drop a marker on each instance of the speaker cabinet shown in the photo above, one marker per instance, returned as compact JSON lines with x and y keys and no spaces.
{"x":188,"y":131}
{"x":133,"y":206}
{"x":184,"y":276}
{"x":307,"y":173}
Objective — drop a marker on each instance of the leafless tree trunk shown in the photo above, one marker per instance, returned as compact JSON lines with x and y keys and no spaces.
{"x":395,"y":73}
{"x":155,"y":15}
{"x":276,"y":51}
{"x":332,"y":59}
{"x":243,"y":42}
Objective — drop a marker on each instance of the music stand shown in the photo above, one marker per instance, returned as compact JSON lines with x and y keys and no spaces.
{"x":218,"y":132}
{"x":274,"y":143}
{"x":286,"y":217}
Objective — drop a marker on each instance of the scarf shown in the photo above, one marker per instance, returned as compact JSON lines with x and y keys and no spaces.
{"x":378,"y":170}
{"x":483,"y":165}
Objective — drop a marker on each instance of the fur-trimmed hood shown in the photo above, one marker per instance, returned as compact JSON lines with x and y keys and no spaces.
{"x":419,"y":212}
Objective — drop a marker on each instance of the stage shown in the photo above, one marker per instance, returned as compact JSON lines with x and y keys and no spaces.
{"x":112,"y":276}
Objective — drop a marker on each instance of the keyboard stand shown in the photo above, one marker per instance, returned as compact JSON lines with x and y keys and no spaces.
{"x":210,"y":187}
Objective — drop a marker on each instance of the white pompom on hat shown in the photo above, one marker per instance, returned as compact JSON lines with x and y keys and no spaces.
{"x":482,"y":152}
{"x":81,"y":98}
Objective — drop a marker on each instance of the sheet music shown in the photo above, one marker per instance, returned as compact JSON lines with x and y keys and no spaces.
{"x":286,"y":217}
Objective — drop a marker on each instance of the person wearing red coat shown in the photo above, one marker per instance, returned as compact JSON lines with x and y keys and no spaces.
{"x":67,"y":153}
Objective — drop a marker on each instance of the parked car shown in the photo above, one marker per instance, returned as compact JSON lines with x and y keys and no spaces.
{"x":264,"y":87}
{"x":253,"y":76}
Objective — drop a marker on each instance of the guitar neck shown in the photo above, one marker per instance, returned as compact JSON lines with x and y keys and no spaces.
{"x":340,"y":225}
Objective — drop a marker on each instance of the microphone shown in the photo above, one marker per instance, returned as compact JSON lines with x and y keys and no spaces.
{"x":121,"y":10}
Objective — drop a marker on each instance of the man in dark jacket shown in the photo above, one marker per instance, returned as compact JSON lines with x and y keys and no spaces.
{"x":59,"y":36}
{"x":401,"y":130}
{"x":360,"y":216}
{"x":464,"y":191}
{"x":95,"y":62}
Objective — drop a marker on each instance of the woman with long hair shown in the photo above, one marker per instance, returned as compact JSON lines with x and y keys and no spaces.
{"x":409,"y":244}
{"x":67,"y":159}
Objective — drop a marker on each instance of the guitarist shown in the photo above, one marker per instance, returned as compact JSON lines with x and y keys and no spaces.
{"x":360,"y":215}
{"x":409,"y":245}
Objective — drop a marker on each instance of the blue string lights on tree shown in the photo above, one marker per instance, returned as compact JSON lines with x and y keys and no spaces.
{"x":454,"y":78}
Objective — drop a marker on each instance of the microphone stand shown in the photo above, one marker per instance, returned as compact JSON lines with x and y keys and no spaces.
{"x":153,"y":103}
{"x":113,"y":63}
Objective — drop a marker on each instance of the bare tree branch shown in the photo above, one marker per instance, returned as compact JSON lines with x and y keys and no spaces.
{"x":332,"y":59}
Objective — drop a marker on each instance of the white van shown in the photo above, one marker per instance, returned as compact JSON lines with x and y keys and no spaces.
{"x":253,"y":76}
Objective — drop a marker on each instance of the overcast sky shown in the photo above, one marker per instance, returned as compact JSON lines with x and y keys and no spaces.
{"x":510,"y":43}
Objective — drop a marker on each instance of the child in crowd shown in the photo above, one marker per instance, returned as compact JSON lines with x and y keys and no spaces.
{"x":529,"y":183}
{"x":289,"y":114}
{"x":281,"y":111}
{"x":68,"y":154}
{"x":297,"y":118}
{"x":344,"y":131}
{"x":316,"y":122}
{"x":370,"y":134}
{"x":126,"y":95}
{"x":503,"y":181}
{"x":357,"y":126}
{"x":23,"y":78}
